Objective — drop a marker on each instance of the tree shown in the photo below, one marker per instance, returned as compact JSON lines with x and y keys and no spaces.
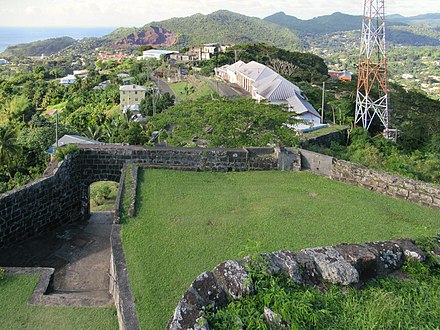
{"x":8,"y":148}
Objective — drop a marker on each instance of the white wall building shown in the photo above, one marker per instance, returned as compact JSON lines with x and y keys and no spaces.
{"x":266,"y":85}
{"x":67,"y":80}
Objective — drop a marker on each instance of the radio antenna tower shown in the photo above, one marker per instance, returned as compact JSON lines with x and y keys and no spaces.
{"x":372,"y":89}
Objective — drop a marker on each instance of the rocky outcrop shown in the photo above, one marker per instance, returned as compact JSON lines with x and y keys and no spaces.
{"x":345,"y":264}
{"x":152,"y":36}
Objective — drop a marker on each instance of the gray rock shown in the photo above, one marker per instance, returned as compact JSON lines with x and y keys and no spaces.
{"x":332,"y":266}
{"x":273,"y":318}
{"x":233,"y":278}
{"x":410,"y":250}
{"x":360,"y":257}
{"x":389,"y":254}
{"x":286,"y":261}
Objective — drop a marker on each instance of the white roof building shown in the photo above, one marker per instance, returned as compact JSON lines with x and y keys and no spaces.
{"x":155,"y":53}
{"x":265,"y":84}
{"x":129,"y":88}
{"x":67,"y":80}
{"x":3,"y":61}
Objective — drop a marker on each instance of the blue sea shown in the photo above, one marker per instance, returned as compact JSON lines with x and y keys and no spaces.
{"x":19,"y":35}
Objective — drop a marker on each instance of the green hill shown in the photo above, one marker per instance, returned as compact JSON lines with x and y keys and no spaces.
{"x":335,"y":22}
{"x":227,"y":27}
{"x":36,"y":48}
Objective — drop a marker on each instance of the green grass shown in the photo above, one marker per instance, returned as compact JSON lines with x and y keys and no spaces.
{"x":100,"y":203}
{"x":188,"y":222}
{"x":323,"y":131}
{"x":199,"y":91}
{"x":15,"y":313}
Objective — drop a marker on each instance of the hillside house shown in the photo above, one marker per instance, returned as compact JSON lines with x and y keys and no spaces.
{"x":3,"y":61}
{"x":131,"y":94}
{"x":68,"y":80}
{"x":70,"y":139}
{"x":340,"y":75}
{"x":264,"y":84}
{"x":205,"y":51}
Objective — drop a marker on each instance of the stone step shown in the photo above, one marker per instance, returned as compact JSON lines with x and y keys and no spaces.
{"x":78,"y":298}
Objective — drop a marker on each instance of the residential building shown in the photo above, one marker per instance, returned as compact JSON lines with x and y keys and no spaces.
{"x":131,"y":94}
{"x":67,"y":80}
{"x":3,"y":61}
{"x":205,"y":51}
{"x":157,"y":54}
{"x":340,"y":75}
{"x":70,"y":139}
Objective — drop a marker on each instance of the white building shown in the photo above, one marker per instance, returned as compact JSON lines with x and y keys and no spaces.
{"x":156,"y":54}
{"x":264,"y":84}
{"x":3,"y":61}
{"x":67,"y":80}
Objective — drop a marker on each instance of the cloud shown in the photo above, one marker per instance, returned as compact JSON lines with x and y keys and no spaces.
{"x":140,"y":12}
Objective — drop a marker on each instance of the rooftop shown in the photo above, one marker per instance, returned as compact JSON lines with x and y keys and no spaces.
{"x":132,"y":88}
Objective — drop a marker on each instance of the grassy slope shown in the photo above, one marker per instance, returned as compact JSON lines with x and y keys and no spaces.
{"x":189,"y":222}
{"x":199,"y":91}
{"x":15,"y":313}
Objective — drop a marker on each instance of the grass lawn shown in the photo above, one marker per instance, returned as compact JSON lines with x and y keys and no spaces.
{"x":188,"y":222}
{"x":15,"y":313}
{"x":103,"y":196}
{"x":198,"y":91}
{"x":323,"y":131}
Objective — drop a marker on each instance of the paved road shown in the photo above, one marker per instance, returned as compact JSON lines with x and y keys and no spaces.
{"x":165,"y":88}
{"x":80,"y":254}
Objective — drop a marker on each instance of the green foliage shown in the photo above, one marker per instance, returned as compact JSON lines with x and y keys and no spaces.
{"x":235,"y":123}
{"x":103,"y":196}
{"x":384,"y":303}
{"x":2,"y":274}
{"x":61,"y":153}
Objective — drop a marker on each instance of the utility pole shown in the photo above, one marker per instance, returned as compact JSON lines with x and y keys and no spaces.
{"x":372,"y":90}
{"x":56,"y":127}
{"x":323,"y":102}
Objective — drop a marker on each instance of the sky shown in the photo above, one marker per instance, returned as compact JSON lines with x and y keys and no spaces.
{"x":115,"y":13}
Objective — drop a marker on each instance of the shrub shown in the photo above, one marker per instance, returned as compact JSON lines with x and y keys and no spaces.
{"x":61,"y":153}
{"x":2,"y":274}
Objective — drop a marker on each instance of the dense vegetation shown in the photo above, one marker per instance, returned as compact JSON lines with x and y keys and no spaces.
{"x":221,"y":122}
{"x":29,"y":101}
{"x":201,"y":219}
{"x":384,"y":303}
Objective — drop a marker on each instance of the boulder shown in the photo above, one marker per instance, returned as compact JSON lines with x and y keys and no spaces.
{"x":332,"y":266}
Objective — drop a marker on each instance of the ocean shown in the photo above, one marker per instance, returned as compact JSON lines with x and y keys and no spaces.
{"x":19,"y":35}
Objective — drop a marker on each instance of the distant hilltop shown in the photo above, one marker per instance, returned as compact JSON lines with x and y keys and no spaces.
{"x":279,"y":29}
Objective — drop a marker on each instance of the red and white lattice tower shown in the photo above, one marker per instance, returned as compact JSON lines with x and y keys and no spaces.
{"x":372,"y":91}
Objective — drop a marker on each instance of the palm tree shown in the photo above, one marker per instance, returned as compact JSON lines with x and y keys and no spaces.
{"x":8,"y":147}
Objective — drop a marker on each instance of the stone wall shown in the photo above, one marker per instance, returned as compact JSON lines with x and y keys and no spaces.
{"x":316,"y":163}
{"x":42,"y":205}
{"x":63,"y":196}
{"x":386,"y":183}
{"x":345,"y":264}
